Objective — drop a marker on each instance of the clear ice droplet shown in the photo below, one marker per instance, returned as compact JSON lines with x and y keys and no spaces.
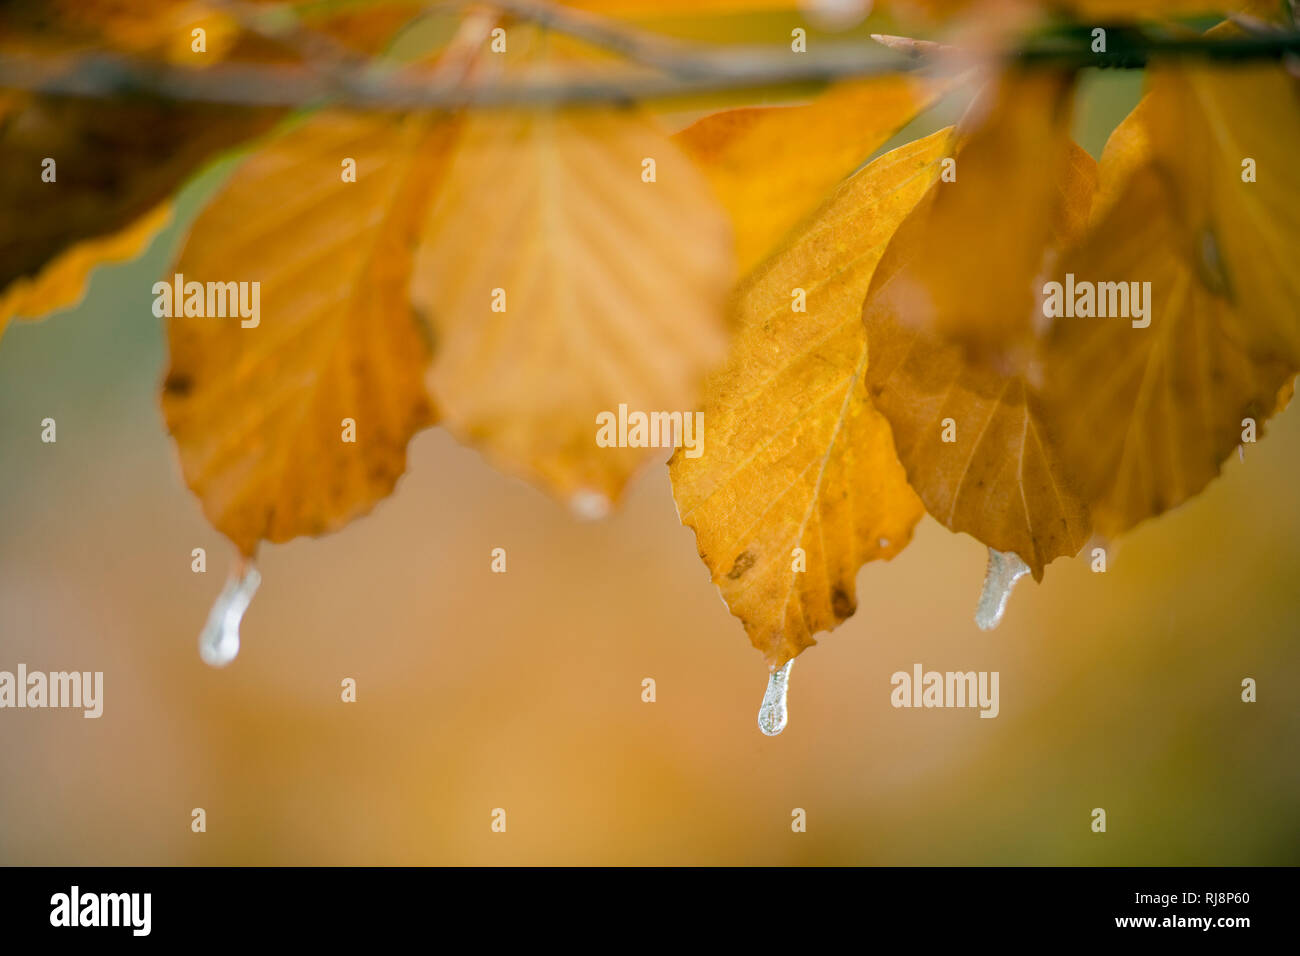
{"x":1005,"y":569}
{"x":773,"y":715}
{"x":219,"y":642}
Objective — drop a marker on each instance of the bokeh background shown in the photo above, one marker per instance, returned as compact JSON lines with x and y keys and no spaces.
{"x":523,"y":691}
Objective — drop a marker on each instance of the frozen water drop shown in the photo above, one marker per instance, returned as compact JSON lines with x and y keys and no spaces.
{"x":773,"y":715}
{"x":1005,"y":569}
{"x":219,"y":642}
{"x":589,"y":505}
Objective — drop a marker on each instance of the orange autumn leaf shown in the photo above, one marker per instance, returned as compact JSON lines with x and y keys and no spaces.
{"x":1227,"y":138}
{"x":976,"y":446}
{"x":260,"y":413}
{"x":1007,"y":192}
{"x":115,"y":165}
{"x":62,"y":281}
{"x":770,"y":166}
{"x":798,"y":485}
{"x":561,"y":282}
{"x":118,"y":161}
{"x":1146,"y":413}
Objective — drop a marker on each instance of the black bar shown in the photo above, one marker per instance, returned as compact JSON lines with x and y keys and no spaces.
{"x":978,"y":905}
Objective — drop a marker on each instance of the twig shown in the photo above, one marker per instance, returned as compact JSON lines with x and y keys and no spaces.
{"x":704,"y":70}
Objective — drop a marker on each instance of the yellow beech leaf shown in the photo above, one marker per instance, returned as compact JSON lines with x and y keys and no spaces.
{"x":1148,"y":407}
{"x":114,"y":166}
{"x":798,"y":484}
{"x":261,"y":408}
{"x":973,"y":437}
{"x":574,"y":262}
{"x":771,"y":165}
{"x":985,"y":229}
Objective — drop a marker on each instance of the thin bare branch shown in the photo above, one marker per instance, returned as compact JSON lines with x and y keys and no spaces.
{"x":686,"y":72}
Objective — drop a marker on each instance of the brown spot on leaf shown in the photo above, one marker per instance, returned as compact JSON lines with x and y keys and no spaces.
{"x":178,"y":385}
{"x":744,"y":561}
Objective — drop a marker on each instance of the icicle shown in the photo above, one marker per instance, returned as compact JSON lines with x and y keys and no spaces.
{"x":773,"y":715}
{"x":1005,"y":569}
{"x":219,"y":642}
